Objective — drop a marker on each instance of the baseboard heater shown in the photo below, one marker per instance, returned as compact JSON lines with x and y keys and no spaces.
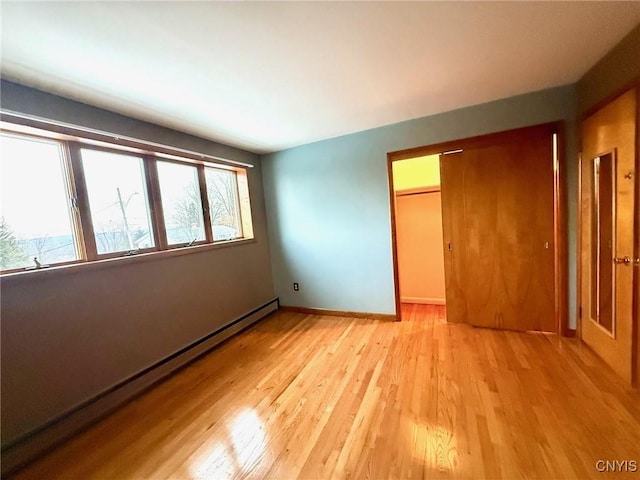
{"x":37,"y":442}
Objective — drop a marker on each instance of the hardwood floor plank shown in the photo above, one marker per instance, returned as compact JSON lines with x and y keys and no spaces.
{"x":312,"y":396}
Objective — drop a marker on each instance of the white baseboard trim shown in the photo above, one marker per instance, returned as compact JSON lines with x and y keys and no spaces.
{"x":423,"y":300}
{"x":44,"y":438}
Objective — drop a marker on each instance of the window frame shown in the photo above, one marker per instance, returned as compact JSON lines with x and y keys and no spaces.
{"x":69,"y":186}
{"x":236,"y":200}
{"x":78,"y":198}
{"x":208,"y":238}
{"x":84,"y":207}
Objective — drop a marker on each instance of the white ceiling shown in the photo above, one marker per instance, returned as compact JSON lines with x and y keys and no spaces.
{"x":267,"y":76}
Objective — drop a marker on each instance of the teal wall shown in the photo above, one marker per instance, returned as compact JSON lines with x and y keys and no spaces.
{"x":328,"y":210}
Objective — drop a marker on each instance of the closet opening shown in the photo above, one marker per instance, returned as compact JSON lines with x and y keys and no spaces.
{"x":418,"y":223}
{"x":502,"y":257}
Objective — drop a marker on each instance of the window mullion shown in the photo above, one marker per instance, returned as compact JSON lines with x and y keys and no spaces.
{"x":78,"y":227}
{"x":82,"y":202}
{"x":204,"y":198}
{"x":157,"y":214}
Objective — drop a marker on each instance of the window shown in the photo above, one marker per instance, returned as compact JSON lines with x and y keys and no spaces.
{"x":118,"y":201}
{"x":224,"y":209}
{"x":67,"y":200}
{"x":36,"y":224}
{"x":181,"y":203}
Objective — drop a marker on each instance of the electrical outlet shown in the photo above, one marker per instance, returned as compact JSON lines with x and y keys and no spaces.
{"x":296,"y":287}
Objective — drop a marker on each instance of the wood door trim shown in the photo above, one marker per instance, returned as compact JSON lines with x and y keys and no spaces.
{"x":579,"y":250}
{"x":394,"y":238}
{"x":635,"y":307}
{"x":471,"y":142}
{"x":560,"y":205}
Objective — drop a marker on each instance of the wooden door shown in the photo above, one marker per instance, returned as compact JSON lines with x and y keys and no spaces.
{"x":608,"y":213}
{"x":498,"y":225}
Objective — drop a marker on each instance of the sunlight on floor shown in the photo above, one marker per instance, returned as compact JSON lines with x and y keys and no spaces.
{"x":216,"y":460}
{"x":248,"y":438}
{"x":245,"y":446}
{"x":433,"y":445}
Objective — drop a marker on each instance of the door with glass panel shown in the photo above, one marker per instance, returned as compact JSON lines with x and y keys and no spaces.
{"x":608,"y":215}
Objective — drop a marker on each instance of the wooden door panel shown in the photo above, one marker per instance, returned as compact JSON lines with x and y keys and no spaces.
{"x":612,"y":129}
{"x":481,"y":205}
{"x":527,"y":239}
{"x":451,"y":185}
{"x":498,"y":211}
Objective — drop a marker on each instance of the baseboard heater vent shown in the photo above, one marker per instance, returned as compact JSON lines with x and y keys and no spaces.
{"x":39,"y":441}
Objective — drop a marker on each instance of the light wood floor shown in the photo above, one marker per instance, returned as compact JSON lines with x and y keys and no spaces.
{"x":304,"y":396}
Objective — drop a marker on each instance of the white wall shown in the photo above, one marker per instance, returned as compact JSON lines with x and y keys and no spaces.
{"x":328,"y":202}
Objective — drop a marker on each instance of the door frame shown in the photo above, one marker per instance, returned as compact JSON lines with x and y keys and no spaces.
{"x":560,"y":208}
{"x":635,"y":307}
